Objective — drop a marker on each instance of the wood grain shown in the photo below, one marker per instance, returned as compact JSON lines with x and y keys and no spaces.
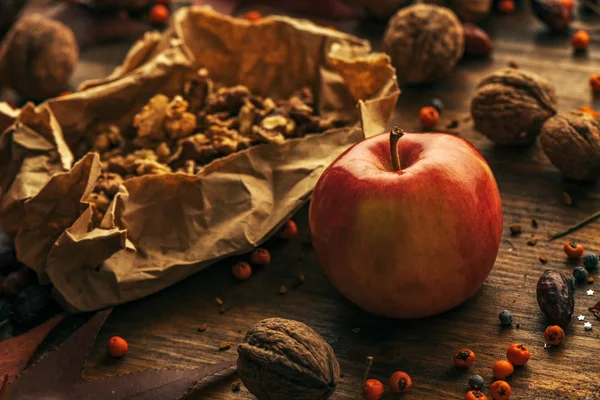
{"x":162,"y":329}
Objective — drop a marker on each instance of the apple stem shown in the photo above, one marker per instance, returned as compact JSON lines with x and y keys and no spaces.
{"x":395,"y":135}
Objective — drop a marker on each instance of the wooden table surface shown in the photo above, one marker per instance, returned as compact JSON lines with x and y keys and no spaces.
{"x":162,"y":329}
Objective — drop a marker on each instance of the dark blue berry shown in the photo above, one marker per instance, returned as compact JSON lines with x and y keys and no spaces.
{"x":506,"y":318}
{"x":580,"y":275}
{"x":476,"y":382}
{"x":438,"y":105}
{"x":590,"y":261}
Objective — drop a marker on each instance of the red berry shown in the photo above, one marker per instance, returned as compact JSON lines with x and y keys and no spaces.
{"x":159,"y":14}
{"x":428,"y":116}
{"x":400,"y":382}
{"x":260,"y":256}
{"x":373,"y":389}
{"x":242,"y":271}
{"x":253,"y":16}
{"x":117,"y":347}
{"x":289,"y":230}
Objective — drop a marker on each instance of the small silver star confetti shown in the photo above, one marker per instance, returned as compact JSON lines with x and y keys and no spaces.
{"x":581,"y":318}
{"x":590,"y":292}
{"x":588,"y":326}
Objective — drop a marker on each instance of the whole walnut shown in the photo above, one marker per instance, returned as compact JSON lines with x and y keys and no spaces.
{"x":424,"y":41}
{"x":282,"y":359}
{"x":467,"y":10}
{"x":511,"y":105}
{"x":38,"y":57}
{"x":379,"y":8}
{"x":572,"y":143}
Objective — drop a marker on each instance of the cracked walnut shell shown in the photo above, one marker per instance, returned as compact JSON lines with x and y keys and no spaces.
{"x":424,"y":42}
{"x":282,"y":359}
{"x":38,"y":57}
{"x":511,"y":105}
{"x":572,"y":143}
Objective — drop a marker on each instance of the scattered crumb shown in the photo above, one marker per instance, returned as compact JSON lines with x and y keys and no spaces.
{"x":534,"y":223}
{"x":513,"y":64}
{"x":566,"y":199}
{"x":202,"y":327}
{"x":543,"y":259}
{"x":222,"y":310}
{"x":235,"y":386}
{"x":219,"y":301}
{"x":239,"y":331}
{"x":518,"y":326}
{"x":356,"y":330}
{"x":532,"y":241}
{"x":591,"y":280}
{"x":283,"y":289}
{"x":224,"y":346}
{"x":515,"y":229}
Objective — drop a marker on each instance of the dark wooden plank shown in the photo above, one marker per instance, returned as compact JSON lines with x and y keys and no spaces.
{"x":162,"y":329}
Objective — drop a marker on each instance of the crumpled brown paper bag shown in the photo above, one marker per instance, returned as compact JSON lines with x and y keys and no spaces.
{"x":162,"y":228}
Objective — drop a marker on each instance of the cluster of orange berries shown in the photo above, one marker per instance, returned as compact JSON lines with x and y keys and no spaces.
{"x":260,"y":256}
{"x":400,"y":382}
{"x":517,"y":354}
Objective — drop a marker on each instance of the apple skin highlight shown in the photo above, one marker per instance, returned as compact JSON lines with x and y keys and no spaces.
{"x":410,"y":243}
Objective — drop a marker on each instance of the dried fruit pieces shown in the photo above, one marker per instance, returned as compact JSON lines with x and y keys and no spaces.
{"x":555,"y":297}
{"x":511,"y":105}
{"x":187,"y":131}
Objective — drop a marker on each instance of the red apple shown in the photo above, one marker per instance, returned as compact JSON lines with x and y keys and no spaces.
{"x":411,"y":232}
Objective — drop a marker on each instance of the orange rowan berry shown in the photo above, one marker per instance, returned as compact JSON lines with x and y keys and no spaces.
{"x":159,"y":14}
{"x":518,"y":354}
{"x":428,"y":116}
{"x":242,"y":271}
{"x":260,"y":256}
{"x":464,"y":358}
{"x":503,"y":369}
{"x":580,"y":40}
{"x":400,"y":382}
{"x":117,"y":346}
{"x":373,"y":389}
{"x":554,"y":335}
{"x":289,"y":230}
{"x":573,"y":251}
{"x":506,"y":6}
{"x":595,"y":82}
{"x":253,"y":16}
{"x":500,"y":390}
{"x":475,"y":395}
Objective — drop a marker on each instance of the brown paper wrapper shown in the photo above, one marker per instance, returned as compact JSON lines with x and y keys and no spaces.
{"x":162,"y":228}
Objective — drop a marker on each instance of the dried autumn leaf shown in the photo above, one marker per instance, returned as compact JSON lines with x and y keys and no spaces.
{"x":59,"y":375}
{"x":16,"y":351}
